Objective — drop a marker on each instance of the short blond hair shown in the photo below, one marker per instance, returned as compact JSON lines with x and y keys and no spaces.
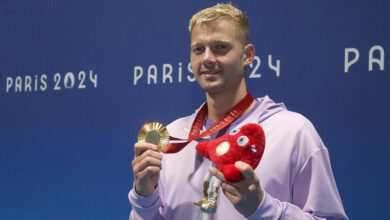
{"x":222,"y":11}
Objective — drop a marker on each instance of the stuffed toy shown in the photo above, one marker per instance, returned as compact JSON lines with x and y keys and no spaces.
{"x":244,"y":144}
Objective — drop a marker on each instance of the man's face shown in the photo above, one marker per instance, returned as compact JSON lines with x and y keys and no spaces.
{"x":217,"y":56}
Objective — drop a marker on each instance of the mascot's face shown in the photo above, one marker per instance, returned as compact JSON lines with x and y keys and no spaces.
{"x":244,"y":144}
{"x":242,"y":141}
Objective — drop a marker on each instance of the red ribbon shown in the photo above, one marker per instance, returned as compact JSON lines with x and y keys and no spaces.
{"x":199,"y":120}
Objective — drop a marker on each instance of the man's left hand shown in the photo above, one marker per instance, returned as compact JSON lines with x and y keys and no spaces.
{"x":246,"y":195}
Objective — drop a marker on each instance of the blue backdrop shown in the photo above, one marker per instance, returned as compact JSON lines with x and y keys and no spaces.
{"x":79,"y":78}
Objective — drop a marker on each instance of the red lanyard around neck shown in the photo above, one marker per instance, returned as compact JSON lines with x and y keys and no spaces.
{"x":200,"y":118}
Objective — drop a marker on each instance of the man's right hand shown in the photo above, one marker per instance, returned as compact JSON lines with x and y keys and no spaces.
{"x":146,"y":168}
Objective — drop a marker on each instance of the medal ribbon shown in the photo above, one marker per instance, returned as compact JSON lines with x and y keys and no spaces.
{"x":199,"y":120}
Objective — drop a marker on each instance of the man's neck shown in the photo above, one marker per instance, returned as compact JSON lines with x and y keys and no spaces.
{"x":219,"y":104}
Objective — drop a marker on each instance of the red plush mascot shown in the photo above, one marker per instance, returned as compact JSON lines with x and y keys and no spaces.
{"x":244,"y":144}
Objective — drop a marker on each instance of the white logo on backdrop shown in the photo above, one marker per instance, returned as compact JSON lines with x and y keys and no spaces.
{"x":168,"y":73}
{"x":40,"y":83}
{"x":350,"y":60}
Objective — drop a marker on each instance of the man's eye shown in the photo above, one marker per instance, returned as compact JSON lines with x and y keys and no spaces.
{"x":220,"y":47}
{"x":197,"y":50}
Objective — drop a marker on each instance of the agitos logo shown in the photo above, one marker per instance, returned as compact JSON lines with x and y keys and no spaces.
{"x":57,"y":82}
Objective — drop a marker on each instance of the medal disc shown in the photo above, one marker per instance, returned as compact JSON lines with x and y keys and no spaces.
{"x":154,"y":133}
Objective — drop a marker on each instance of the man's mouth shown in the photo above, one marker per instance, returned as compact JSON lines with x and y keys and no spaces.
{"x":209,"y":72}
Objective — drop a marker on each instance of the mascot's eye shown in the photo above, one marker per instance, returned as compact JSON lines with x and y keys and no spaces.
{"x":234,"y":131}
{"x":242,"y":141}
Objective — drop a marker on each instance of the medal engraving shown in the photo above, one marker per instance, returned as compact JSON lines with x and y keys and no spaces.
{"x":153,"y":137}
{"x":154,"y":133}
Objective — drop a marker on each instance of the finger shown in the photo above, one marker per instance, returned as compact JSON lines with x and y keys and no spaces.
{"x":150,"y":153}
{"x":233,"y":190}
{"x":149,"y":171}
{"x":145,"y":154}
{"x":246,"y":170}
{"x":215,"y":172}
{"x":140,"y":147}
{"x":233,"y":198}
{"x":141,"y":164}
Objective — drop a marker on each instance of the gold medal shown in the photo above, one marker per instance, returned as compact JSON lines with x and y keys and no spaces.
{"x":154,"y":133}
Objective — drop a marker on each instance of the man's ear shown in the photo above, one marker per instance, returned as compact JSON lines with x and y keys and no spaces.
{"x":249,"y":53}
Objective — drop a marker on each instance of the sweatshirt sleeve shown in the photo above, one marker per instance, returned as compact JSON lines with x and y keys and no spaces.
{"x":145,"y":207}
{"x":315,"y":194}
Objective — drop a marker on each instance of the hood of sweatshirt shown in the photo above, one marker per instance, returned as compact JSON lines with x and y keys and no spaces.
{"x":264,"y":109}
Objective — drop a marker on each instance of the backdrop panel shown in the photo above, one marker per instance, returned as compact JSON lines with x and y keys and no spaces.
{"x":79,"y":78}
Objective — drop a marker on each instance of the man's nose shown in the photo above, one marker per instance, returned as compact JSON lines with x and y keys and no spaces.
{"x":209,"y":58}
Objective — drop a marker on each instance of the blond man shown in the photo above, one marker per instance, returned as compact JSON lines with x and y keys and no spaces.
{"x":294,"y":179}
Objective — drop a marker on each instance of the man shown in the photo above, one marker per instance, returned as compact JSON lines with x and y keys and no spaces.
{"x":294,"y":179}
